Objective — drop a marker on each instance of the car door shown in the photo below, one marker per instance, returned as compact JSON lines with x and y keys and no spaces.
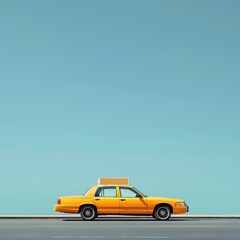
{"x":106,"y":200}
{"x":131,"y":202}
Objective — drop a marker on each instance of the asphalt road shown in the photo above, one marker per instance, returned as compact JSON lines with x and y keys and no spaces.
{"x":113,"y":228}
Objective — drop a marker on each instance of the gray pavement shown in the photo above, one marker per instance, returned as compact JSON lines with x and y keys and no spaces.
{"x":120,"y":228}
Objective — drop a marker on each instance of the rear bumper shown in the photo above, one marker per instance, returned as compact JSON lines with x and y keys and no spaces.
{"x":58,"y":208}
{"x":66,"y":208}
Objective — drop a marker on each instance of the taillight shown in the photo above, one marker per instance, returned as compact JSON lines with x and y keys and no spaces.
{"x":59,"y":201}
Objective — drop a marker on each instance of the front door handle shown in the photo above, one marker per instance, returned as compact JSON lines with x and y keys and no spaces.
{"x":97,"y":199}
{"x":123,"y":200}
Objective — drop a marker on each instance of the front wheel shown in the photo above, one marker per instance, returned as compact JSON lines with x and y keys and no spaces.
{"x":88,"y":213}
{"x":162,"y":213}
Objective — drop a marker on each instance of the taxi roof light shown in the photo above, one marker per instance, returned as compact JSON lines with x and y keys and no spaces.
{"x":113,"y":181}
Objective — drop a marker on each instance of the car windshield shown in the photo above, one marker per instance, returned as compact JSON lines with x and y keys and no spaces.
{"x":139,"y":192}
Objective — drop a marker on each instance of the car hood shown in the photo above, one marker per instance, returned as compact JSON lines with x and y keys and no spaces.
{"x":162,"y":199}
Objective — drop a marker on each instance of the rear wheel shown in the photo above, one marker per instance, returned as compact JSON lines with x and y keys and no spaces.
{"x":162,"y":213}
{"x":88,"y":213}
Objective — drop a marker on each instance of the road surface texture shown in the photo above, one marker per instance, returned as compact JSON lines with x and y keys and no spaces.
{"x":123,"y":228}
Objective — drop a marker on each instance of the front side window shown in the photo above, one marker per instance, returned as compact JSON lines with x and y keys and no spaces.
{"x":128,"y":192}
{"x":106,"y":192}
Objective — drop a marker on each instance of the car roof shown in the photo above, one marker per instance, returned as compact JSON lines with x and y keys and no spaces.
{"x":114,"y":185}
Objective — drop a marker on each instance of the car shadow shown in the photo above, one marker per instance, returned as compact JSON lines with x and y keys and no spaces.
{"x":105,"y":219}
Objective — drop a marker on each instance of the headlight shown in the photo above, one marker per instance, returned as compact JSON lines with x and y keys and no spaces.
{"x":180,"y":204}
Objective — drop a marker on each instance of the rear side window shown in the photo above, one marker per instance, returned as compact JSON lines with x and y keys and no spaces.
{"x":106,"y":192}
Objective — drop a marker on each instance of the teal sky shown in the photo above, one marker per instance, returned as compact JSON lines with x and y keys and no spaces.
{"x":148,"y":90}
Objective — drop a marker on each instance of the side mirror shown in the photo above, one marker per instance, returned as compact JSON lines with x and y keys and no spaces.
{"x":139,"y":196}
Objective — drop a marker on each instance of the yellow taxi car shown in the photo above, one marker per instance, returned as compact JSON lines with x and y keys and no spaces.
{"x":114,"y":196}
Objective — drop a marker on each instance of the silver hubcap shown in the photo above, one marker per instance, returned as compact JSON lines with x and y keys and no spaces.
{"x":163,"y":213}
{"x":88,"y":213}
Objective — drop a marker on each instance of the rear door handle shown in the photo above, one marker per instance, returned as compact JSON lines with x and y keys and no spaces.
{"x":97,"y":199}
{"x":123,"y":200}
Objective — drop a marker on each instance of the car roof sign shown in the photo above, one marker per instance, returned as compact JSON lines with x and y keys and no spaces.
{"x":113,"y":181}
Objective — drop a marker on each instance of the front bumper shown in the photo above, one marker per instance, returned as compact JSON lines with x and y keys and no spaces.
{"x":180,"y":209}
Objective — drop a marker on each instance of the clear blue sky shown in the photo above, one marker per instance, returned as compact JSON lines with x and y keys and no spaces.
{"x":142,"y":89}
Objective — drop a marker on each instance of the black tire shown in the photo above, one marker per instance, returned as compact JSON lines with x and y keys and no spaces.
{"x":162,"y":213}
{"x":88,"y":213}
